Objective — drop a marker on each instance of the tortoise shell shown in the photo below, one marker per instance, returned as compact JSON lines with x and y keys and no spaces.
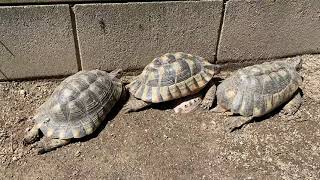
{"x":78,"y":105}
{"x":257,"y":90}
{"x":172,"y":76}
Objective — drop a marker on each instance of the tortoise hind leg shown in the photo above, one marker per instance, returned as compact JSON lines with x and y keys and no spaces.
{"x":218,"y":109}
{"x":134,"y":105}
{"x":51,"y":145}
{"x":293,"y":105}
{"x":209,"y":97}
{"x":32,"y":136}
{"x":238,"y":123}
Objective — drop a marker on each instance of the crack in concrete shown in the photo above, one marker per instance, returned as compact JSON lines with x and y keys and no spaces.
{"x":7,"y":48}
{"x":75,"y":37}
{"x":1,"y":72}
{"x":220,"y":28}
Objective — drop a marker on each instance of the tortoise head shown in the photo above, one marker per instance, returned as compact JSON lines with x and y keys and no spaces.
{"x":115,"y":74}
{"x":216,"y":68}
{"x":295,"y":63}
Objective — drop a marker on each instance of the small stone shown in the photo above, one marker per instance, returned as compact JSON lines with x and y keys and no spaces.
{"x":77,"y":154}
{"x":27,"y":129}
{"x":23,"y":93}
{"x":75,"y":173}
{"x":203,"y":126}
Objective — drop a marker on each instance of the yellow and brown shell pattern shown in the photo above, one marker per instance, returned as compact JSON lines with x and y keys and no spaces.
{"x":172,"y":76}
{"x":78,"y":105}
{"x":259,"y":89}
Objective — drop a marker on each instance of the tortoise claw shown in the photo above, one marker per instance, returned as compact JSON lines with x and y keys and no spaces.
{"x":205,"y":105}
{"x":126,"y":109}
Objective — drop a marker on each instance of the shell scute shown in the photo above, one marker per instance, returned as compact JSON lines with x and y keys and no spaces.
{"x":175,"y":75}
{"x":78,"y":105}
{"x":259,"y":89}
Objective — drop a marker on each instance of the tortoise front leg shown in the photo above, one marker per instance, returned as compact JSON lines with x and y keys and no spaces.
{"x":188,"y":104}
{"x":293,"y":105}
{"x":51,"y":145}
{"x":32,"y":136}
{"x":134,"y":105}
{"x":209,"y":97}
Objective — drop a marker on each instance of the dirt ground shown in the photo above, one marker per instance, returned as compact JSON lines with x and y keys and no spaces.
{"x":158,"y":144}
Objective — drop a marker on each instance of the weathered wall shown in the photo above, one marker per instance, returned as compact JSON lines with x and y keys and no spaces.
{"x":36,"y":41}
{"x":60,"y":37}
{"x":268,"y":29}
{"x":130,"y":35}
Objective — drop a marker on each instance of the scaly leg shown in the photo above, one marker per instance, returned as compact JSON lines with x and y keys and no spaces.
{"x":134,"y":105}
{"x":32,"y":136}
{"x":293,"y":105}
{"x":51,"y":145}
{"x":188,"y":104}
{"x":209,"y":97}
{"x":218,"y":109}
{"x":238,"y":123}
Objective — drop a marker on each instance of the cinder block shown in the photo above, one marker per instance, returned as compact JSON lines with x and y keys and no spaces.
{"x":36,"y":41}
{"x":262,"y":29}
{"x":130,"y":35}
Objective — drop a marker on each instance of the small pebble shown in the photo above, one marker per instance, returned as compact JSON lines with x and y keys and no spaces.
{"x":27,"y":129}
{"x":77,"y":154}
{"x":23,"y":93}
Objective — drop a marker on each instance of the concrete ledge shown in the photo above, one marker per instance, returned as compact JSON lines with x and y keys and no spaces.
{"x":130,"y":35}
{"x":261,"y":29}
{"x":54,"y":1}
{"x":78,"y":1}
{"x":36,"y":41}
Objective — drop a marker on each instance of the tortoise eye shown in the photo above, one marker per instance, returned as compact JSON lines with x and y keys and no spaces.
{"x":171,"y":58}
{"x":157,"y":62}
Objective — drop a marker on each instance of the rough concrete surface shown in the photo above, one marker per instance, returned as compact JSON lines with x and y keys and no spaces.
{"x":261,"y":29}
{"x":131,"y":35}
{"x":36,"y":41}
{"x":76,"y":1}
{"x":158,"y":144}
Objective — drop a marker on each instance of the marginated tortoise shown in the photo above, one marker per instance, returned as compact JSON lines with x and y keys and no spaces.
{"x":173,"y":76}
{"x":76,"y":108}
{"x":256,"y":90}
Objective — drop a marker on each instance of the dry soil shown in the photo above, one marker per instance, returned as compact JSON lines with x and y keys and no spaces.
{"x":158,"y":144}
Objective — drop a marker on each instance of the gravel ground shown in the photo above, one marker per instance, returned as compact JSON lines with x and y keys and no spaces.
{"x":158,"y":144}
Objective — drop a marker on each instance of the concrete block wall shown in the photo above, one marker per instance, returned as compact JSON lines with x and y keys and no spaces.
{"x":130,"y":35}
{"x":36,"y":41}
{"x":262,"y":29}
{"x":60,"y":37}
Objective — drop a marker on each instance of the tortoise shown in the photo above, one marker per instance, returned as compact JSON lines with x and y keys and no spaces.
{"x":257,"y":90}
{"x":76,"y":108}
{"x":173,"y":76}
